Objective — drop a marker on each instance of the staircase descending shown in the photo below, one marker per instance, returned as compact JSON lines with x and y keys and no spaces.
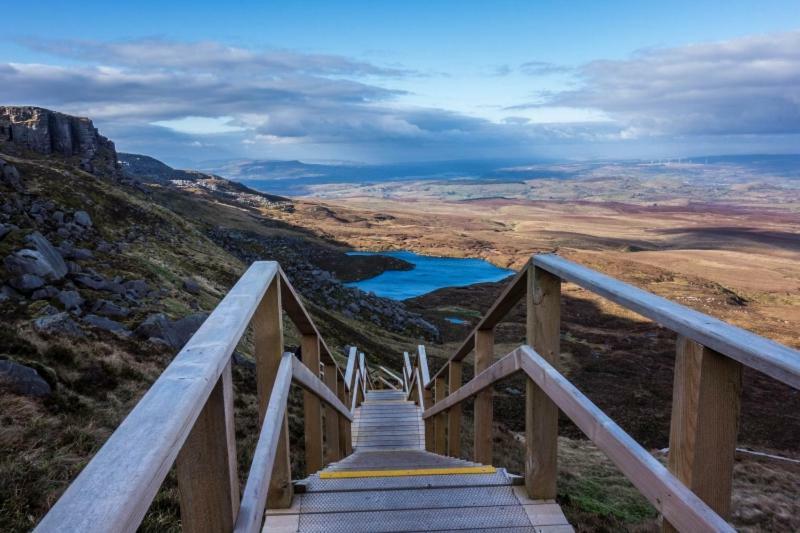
{"x":390,"y":483}
{"x":384,"y":448}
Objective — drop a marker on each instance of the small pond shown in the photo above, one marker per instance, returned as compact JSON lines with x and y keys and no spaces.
{"x":429,"y":273}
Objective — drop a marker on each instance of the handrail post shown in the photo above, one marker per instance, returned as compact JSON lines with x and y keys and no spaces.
{"x":541,"y":414}
{"x":206,"y":465}
{"x":484,"y":354}
{"x":312,"y":409}
{"x":331,"y":418}
{"x":427,"y":398}
{"x":268,"y":346}
{"x":440,"y":423}
{"x":704,"y":425}
{"x":345,"y":443}
{"x":454,"y":414}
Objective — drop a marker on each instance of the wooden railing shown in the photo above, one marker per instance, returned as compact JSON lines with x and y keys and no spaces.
{"x":186,"y":419}
{"x":694,"y":492}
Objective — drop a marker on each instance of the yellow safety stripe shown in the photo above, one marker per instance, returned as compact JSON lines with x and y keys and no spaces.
{"x":342,"y":474}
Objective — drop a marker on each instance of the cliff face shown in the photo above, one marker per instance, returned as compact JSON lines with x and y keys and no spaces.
{"x":49,"y":132}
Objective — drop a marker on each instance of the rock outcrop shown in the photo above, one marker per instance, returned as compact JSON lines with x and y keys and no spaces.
{"x":48,"y":132}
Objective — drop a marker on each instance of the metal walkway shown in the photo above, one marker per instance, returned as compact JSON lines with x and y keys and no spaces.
{"x":390,"y":484}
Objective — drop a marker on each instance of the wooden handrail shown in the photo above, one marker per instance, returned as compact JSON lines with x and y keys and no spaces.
{"x":503,"y":368}
{"x":422,"y":364}
{"x":311,"y":383}
{"x":297,"y":313}
{"x":254,"y":498}
{"x":707,"y":384}
{"x":671,"y":497}
{"x":773,"y":359}
{"x":351,"y":364}
{"x":187,"y":416}
{"x":511,"y":295}
{"x":391,"y":374}
{"x":114,"y":491}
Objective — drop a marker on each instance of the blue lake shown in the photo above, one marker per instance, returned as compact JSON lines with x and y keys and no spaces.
{"x":429,"y":273}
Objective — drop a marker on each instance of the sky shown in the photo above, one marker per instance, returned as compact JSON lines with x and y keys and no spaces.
{"x":381,"y":81}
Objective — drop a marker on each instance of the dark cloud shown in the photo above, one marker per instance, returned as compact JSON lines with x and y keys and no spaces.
{"x":744,"y":86}
{"x":207,"y":55}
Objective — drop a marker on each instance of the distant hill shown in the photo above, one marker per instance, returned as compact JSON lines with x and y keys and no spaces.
{"x":298,"y":178}
{"x":151,"y":170}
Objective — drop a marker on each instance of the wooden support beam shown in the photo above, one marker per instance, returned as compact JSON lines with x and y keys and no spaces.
{"x":332,"y":445}
{"x":705,"y":417}
{"x":541,"y":414}
{"x":208,"y":480}
{"x":454,"y":415}
{"x":268,"y":345}
{"x":427,"y":395}
{"x":312,"y":409}
{"x":440,"y":423}
{"x":484,"y":355}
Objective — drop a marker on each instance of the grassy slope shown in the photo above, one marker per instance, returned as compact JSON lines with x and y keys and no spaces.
{"x":98,"y":379}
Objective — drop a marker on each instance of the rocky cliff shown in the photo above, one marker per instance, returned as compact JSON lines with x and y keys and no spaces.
{"x":48,"y":132}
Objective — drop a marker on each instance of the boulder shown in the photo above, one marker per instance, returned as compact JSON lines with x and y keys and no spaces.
{"x":106,"y":308}
{"x":5,"y":229}
{"x":137,"y":288}
{"x":10,"y":175}
{"x":173,"y":332}
{"x":44,"y":261}
{"x":45,"y":293}
{"x":23,"y":379}
{"x":7,"y":293}
{"x":71,"y":300}
{"x":91,"y":281}
{"x":107,"y":324}
{"x":26,"y":282}
{"x":191,"y":286}
{"x":82,"y":218}
{"x":58,"y":324}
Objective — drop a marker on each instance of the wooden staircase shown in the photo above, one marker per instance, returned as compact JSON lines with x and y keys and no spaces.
{"x":390,"y":483}
{"x":385,"y":446}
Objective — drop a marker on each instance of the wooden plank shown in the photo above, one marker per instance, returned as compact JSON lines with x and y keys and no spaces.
{"x":705,"y":414}
{"x":767,"y":356}
{"x":454,"y":414}
{"x":209,"y":491}
{"x":332,"y":450}
{"x":541,"y":414}
{"x":254,"y":498}
{"x":662,"y":489}
{"x":422,"y":363}
{"x":440,"y":422}
{"x":511,"y":295}
{"x":484,"y":355}
{"x":313,"y":385}
{"x":312,"y":409}
{"x":268,"y":346}
{"x":114,"y":491}
{"x":503,"y":368}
